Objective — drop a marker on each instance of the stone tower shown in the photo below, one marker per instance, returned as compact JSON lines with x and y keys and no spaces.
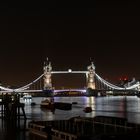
{"x":91,"y":76}
{"x":47,"y":75}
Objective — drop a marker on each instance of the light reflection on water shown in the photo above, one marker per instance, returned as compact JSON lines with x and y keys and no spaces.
{"x":118,"y":106}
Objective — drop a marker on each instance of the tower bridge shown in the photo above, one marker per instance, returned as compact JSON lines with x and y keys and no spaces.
{"x":93,"y":82}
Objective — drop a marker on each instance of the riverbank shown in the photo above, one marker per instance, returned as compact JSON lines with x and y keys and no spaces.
{"x":79,"y":128}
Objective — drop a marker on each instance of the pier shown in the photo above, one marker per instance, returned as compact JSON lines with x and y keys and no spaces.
{"x":12,"y":110}
{"x":78,"y":128}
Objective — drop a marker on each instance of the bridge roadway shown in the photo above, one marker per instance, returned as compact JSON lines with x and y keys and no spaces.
{"x":82,"y":91}
{"x":43,"y":91}
{"x":69,"y":71}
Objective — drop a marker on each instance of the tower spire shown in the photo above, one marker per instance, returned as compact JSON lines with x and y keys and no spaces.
{"x":47,"y":60}
{"x":90,"y":59}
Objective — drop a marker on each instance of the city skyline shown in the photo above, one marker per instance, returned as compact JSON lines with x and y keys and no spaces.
{"x":106,"y":31}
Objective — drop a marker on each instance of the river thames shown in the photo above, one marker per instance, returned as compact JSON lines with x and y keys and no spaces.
{"x":118,"y":106}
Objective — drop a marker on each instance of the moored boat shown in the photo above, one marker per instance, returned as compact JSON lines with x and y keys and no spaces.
{"x":48,"y":104}
{"x":63,"y":106}
{"x":74,"y":103}
{"x":27,"y":97}
{"x":87,"y":109}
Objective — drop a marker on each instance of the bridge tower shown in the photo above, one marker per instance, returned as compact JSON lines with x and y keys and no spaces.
{"x":91,"y":76}
{"x":47,"y":75}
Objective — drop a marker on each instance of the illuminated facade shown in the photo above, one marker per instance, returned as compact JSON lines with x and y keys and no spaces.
{"x":138,"y":88}
{"x":47,"y":75}
{"x":90,"y":76}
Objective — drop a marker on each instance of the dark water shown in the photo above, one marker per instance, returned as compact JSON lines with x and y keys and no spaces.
{"x":118,"y":106}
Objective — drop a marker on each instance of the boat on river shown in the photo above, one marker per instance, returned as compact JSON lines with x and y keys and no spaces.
{"x":27,"y":97}
{"x":63,"y":106}
{"x":49,"y":104}
{"x":87,"y":109}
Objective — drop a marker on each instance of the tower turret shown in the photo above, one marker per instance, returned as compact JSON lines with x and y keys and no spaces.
{"x":47,"y":75}
{"x":90,"y":76}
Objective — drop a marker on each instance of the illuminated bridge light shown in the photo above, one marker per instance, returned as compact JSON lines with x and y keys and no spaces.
{"x":69,"y":70}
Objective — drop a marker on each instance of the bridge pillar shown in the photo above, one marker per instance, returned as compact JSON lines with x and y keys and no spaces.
{"x":138,"y":88}
{"x":47,"y":75}
{"x":90,"y":76}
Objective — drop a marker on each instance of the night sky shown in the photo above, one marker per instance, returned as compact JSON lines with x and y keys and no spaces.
{"x":69,"y":34}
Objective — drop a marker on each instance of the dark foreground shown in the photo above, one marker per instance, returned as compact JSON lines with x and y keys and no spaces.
{"x":13,"y":130}
{"x":79,"y":128}
{"x":76,"y":128}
